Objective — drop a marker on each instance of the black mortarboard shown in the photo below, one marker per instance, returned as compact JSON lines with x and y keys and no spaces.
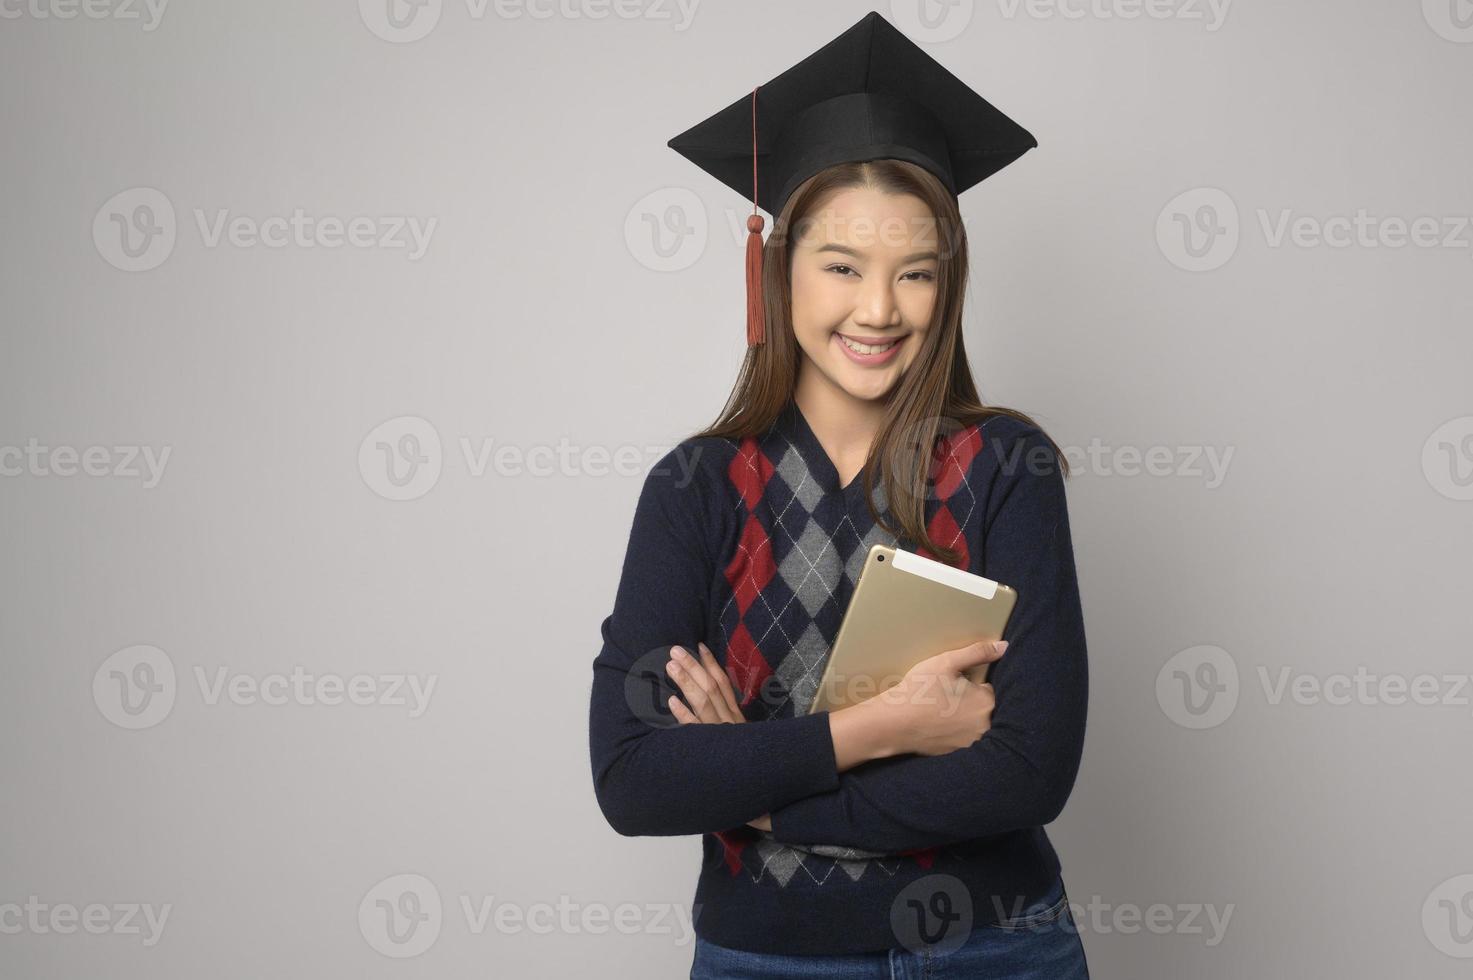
{"x":869,"y":94}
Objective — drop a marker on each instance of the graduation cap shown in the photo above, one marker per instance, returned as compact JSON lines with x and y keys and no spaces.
{"x":869,"y":94}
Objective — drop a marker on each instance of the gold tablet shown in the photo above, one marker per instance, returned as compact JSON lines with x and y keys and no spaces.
{"x":906,"y":608}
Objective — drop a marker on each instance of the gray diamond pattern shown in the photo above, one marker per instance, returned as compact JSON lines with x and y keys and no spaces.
{"x":801,"y":669}
{"x":811,"y":569}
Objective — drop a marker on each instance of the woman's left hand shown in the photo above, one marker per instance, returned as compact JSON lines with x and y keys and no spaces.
{"x":705,"y":685}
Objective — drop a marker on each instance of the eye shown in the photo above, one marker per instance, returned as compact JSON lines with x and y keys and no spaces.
{"x":927,"y":277}
{"x":836,"y":268}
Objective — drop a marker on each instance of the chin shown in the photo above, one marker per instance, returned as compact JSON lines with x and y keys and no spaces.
{"x":870,"y":386}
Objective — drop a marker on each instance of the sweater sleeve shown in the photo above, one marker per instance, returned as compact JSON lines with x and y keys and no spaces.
{"x":651,"y":774}
{"x":1020,"y":772}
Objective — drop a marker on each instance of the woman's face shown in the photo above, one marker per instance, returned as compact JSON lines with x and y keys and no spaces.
{"x":864,"y":269}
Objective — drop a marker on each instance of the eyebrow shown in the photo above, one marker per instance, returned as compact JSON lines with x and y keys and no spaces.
{"x":846,"y":250}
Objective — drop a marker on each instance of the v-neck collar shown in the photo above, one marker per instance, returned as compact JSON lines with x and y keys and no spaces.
{"x":792,"y":423}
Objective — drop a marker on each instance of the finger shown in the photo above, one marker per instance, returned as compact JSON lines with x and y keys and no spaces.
{"x":692,"y":693}
{"x":710,"y":675}
{"x":981,"y":652}
{"x":693,"y":686}
{"x":723,"y":682}
{"x":681,"y":712}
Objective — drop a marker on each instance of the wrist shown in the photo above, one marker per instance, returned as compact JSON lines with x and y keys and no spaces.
{"x":863,"y":732}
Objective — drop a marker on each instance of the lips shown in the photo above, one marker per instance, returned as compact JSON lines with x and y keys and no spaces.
{"x":869,"y":360}
{"x":872,"y":341}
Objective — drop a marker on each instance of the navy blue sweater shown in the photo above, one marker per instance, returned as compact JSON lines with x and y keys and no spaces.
{"x":754,"y":547}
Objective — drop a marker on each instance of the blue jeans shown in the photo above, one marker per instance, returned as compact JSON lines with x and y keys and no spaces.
{"x":1041,"y":943}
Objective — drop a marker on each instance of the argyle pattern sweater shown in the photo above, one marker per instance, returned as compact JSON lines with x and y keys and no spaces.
{"x":754,"y":547}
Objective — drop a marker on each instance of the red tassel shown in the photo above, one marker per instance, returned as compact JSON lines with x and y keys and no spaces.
{"x":756,"y":312}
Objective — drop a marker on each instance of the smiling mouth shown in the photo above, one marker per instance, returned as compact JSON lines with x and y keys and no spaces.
{"x":876,"y":346}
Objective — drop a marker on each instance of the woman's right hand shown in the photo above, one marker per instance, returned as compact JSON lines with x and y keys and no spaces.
{"x":935,"y":709}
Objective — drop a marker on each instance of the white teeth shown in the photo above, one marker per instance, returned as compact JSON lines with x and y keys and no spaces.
{"x":866,"y":348}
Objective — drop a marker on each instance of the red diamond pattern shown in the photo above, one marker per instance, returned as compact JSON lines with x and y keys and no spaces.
{"x":732,"y":846}
{"x":752,"y":567}
{"x":745,"y":665}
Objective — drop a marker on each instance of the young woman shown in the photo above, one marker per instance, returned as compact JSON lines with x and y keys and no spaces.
{"x":903,"y":835}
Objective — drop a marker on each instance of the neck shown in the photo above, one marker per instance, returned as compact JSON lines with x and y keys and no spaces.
{"x":846,"y":426}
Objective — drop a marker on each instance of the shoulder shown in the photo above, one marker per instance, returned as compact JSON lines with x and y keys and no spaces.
{"x":1019,"y":470}
{"x":703,"y":460}
{"x":1011,"y":449}
{"x":690,"y":475}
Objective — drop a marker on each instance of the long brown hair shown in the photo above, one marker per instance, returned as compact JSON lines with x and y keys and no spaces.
{"x":936,"y":393}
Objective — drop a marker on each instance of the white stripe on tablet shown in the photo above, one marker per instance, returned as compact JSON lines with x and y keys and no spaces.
{"x":937,"y":571}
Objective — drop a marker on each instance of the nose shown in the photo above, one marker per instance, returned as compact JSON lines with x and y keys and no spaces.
{"x":876,"y":307}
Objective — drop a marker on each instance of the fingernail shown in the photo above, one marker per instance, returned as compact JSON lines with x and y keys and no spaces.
{"x":1002,"y":646}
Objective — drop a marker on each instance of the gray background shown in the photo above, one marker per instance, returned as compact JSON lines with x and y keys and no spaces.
{"x":542,"y":313}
